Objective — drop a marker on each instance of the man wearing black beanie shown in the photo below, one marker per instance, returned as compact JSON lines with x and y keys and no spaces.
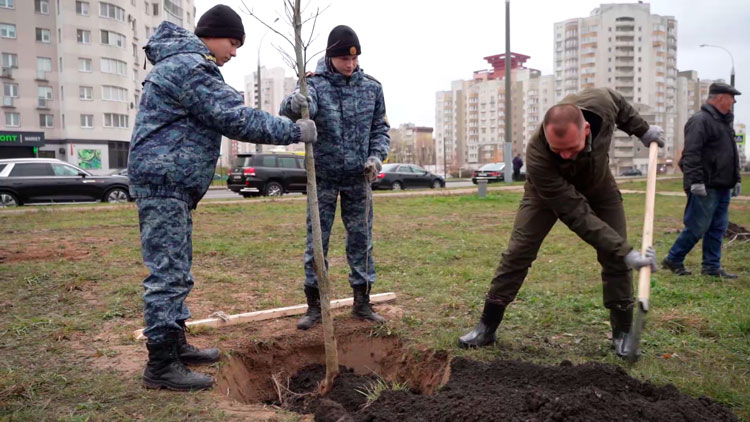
{"x":348,"y":107}
{"x":185,"y":109}
{"x":221,"y":29}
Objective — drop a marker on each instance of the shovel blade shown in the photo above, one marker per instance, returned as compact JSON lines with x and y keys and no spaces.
{"x":633,"y":342}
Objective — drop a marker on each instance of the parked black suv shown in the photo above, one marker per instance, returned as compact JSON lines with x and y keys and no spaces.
{"x":30,"y":180}
{"x":267,"y":173}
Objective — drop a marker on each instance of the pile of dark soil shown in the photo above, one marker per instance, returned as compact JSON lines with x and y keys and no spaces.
{"x":735,"y":231}
{"x":508,"y":391}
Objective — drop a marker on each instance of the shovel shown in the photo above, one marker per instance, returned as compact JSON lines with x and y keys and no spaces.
{"x":633,"y":342}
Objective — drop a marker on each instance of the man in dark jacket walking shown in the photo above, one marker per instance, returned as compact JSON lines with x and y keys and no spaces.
{"x":349,"y":109}
{"x":568,"y":178}
{"x":185,"y":109}
{"x":517,"y":164}
{"x":711,"y":174}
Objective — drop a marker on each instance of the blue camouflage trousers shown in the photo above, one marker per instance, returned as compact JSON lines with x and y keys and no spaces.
{"x":354,"y":206}
{"x":167,"y":247}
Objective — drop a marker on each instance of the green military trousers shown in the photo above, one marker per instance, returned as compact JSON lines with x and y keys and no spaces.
{"x":533,"y":222}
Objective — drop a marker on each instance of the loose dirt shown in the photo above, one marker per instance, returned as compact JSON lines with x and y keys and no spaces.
{"x":285,"y":369}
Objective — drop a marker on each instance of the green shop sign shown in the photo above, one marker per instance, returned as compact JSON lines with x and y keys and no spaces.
{"x":21,"y":139}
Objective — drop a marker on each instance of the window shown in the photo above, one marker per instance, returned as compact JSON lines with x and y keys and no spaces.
{"x":64,"y":170}
{"x":86,"y":93}
{"x":116,"y":120}
{"x":12,"y":119}
{"x":156,"y":9}
{"x":45,"y":92}
{"x":83,"y":36}
{"x":268,"y":161}
{"x":82,"y":8}
{"x":7,"y":30}
{"x":87,"y":121}
{"x":118,"y":155}
{"x":117,"y":67}
{"x":114,"y":93}
{"x":43,"y":65}
{"x":10,"y":90}
{"x":7,"y":4}
{"x":45,"y":120}
{"x":84,"y":65}
{"x":111,"y":11}
{"x":41,"y":6}
{"x":10,"y":60}
{"x":43,"y":35}
{"x":31,"y":170}
{"x":113,"y":38}
{"x":148,"y":8}
{"x":288,"y":162}
{"x":148,"y":32}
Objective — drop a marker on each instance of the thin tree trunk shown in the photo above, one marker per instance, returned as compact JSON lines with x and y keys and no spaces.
{"x":332,"y":356}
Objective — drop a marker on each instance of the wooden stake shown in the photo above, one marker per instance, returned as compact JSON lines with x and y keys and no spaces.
{"x":271,"y":313}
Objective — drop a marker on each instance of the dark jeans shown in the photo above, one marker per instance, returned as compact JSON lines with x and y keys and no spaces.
{"x":533,"y":222}
{"x":706,"y":217}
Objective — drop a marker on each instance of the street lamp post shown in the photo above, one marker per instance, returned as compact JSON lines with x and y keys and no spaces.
{"x":508,"y":122}
{"x":731,"y":75}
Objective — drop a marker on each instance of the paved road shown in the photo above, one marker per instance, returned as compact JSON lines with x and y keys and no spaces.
{"x":219,"y":193}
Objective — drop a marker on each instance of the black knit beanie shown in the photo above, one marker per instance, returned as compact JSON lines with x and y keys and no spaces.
{"x":221,"y":21}
{"x":342,"y":41}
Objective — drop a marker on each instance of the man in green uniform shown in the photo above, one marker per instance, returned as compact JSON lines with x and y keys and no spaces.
{"x":568,"y":178}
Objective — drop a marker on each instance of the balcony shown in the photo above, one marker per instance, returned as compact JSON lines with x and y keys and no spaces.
{"x":41,"y":75}
{"x":43,"y":103}
{"x":8,"y":102}
{"x":7,"y":72}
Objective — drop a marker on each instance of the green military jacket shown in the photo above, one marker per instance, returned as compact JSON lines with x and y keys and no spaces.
{"x":568,"y":186}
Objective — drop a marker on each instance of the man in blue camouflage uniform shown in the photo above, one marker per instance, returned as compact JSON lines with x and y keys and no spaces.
{"x":185,"y":109}
{"x":348,"y":107}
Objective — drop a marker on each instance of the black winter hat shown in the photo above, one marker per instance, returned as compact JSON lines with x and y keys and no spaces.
{"x":722,"y":88}
{"x":221,"y":21}
{"x":342,"y":41}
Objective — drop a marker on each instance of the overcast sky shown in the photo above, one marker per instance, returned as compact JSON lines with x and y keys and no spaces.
{"x":417,"y":47}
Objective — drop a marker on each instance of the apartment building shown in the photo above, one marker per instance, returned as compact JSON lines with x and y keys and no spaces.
{"x":72,"y":73}
{"x":470,"y":118}
{"x":275,"y":86}
{"x":412,"y":144}
{"x":624,"y":47}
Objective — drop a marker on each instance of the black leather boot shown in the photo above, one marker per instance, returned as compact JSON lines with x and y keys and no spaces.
{"x":484,"y":333}
{"x":362,"y":307}
{"x":165,"y":370}
{"x":190,"y":354}
{"x":312,"y":316}
{"x":621,"y":321}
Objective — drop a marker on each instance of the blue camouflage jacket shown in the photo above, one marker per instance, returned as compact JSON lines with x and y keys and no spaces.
{"x":350,"y":117}
{"x":185,"y":109}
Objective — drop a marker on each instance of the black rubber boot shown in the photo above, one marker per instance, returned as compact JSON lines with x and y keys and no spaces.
{"x":190,"y":354}
{"x":484,"y":333}
{"x":165,"y":370}
{"x":621,"y":322}
{"x":312,"y":316}
{"x":362,"y":307}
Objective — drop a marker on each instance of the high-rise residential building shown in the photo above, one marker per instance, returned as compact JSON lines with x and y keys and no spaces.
{"x":72,"y":73}
{"x":275,"y":86}
{"x":624,"y":47}
{"x":412,"y":144}
{"x":470,"y":118}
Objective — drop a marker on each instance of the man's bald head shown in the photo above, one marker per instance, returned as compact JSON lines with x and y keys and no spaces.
{"x":566,"y":130}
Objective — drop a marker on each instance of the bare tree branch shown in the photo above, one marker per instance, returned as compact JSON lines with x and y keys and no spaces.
{"x":251,"y":13}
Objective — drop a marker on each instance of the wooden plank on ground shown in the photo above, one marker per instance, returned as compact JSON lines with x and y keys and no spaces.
{"x":272,"y":313}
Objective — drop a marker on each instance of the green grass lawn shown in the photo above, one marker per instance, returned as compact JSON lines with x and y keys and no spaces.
{"x":71,"y":294}
{"x":673,"y":184}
